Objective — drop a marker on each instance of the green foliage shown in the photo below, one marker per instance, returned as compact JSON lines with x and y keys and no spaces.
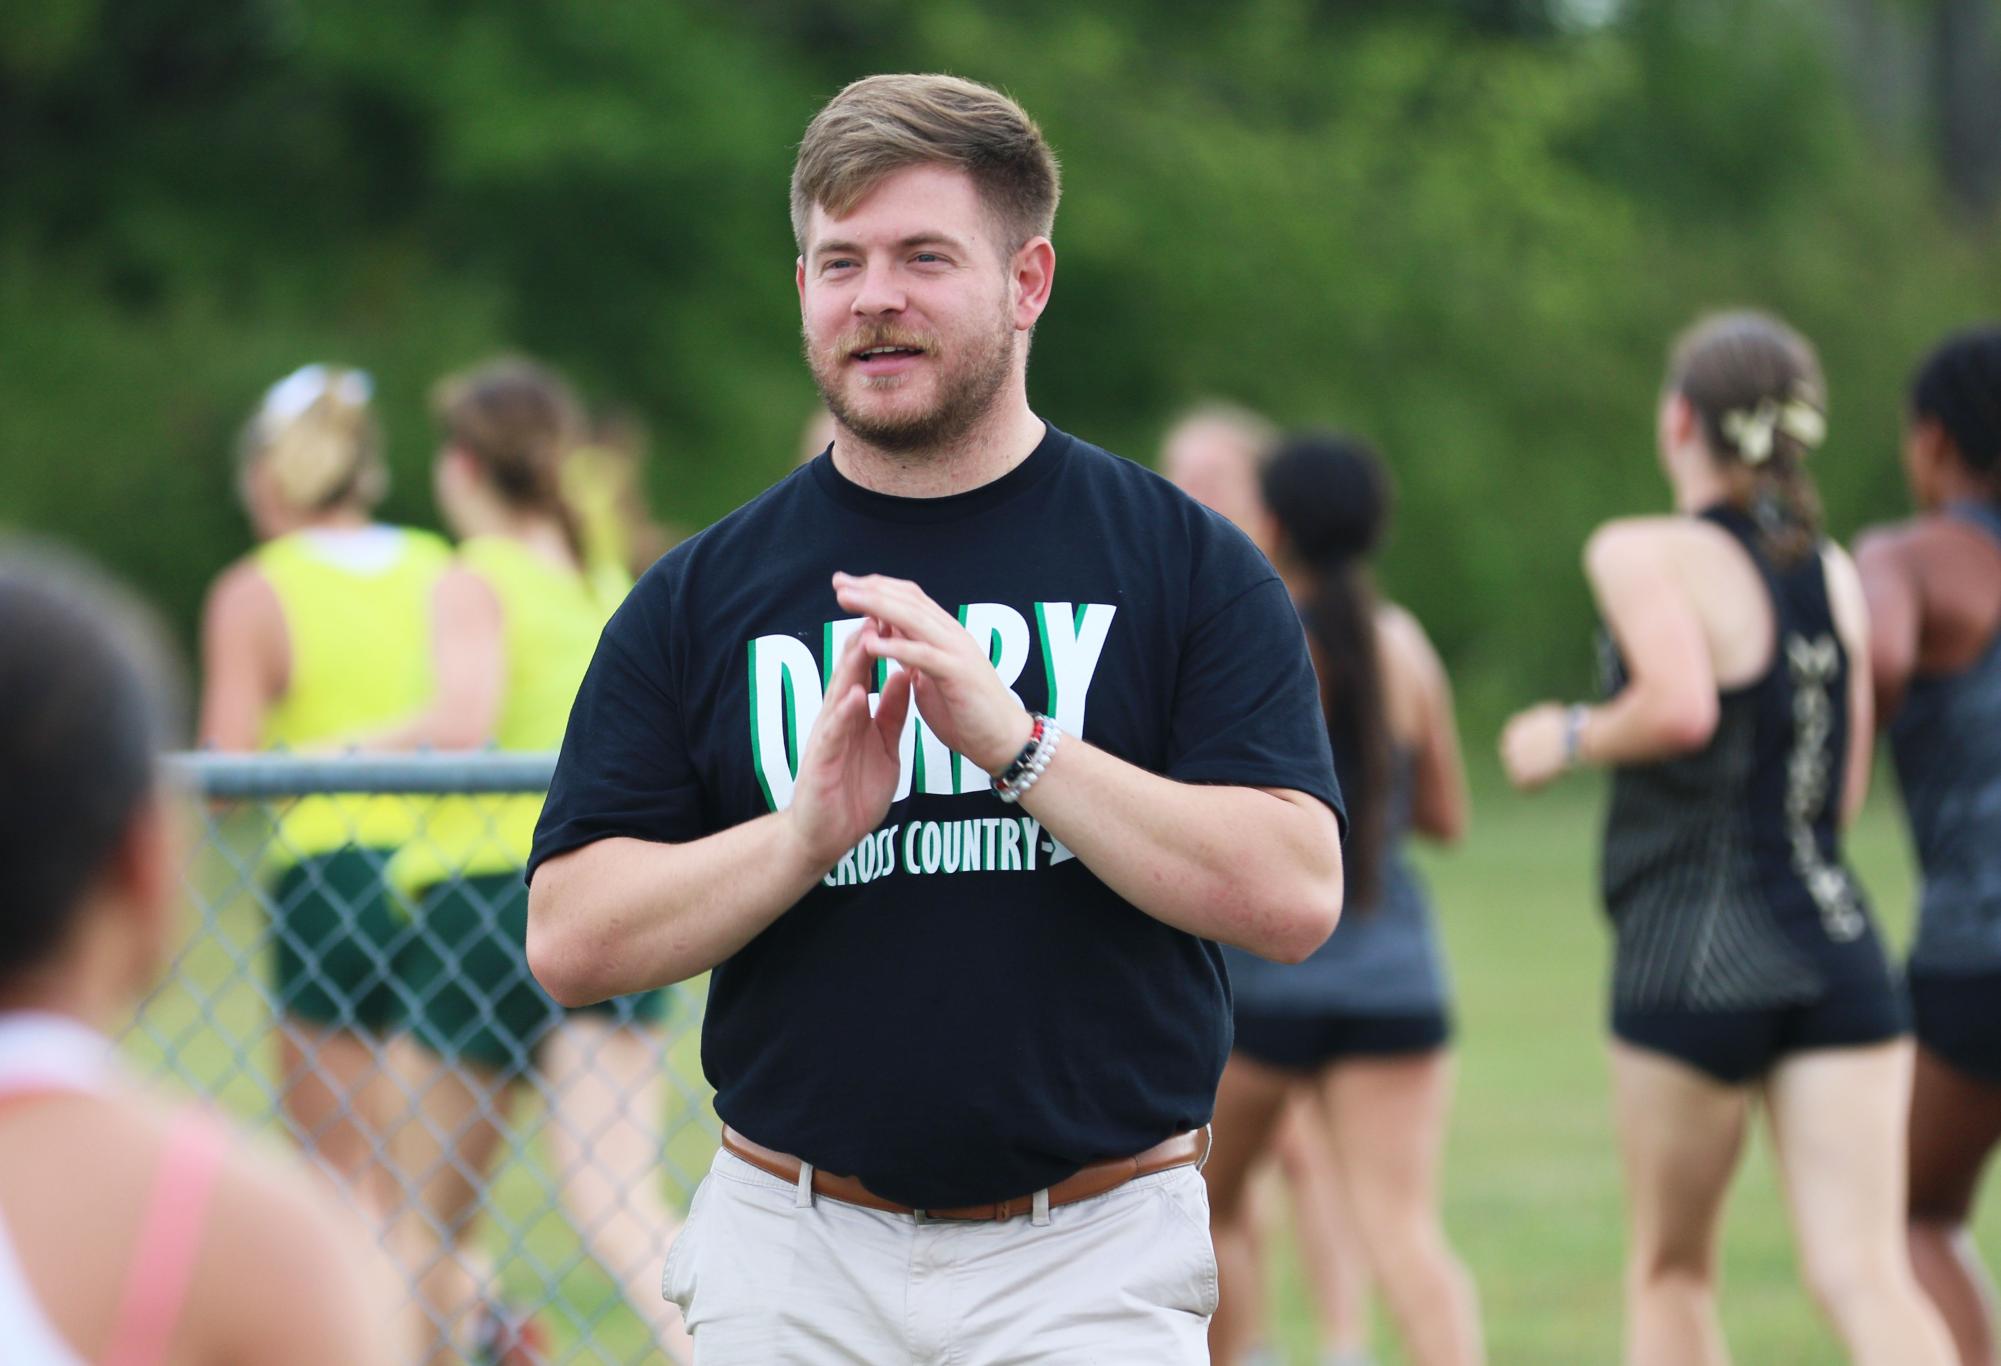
{"x":1468,"y":231}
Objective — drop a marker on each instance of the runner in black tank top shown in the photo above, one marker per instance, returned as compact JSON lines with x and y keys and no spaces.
{"x":1741,"y":937}
{"x":1745,"y":965}
{"x":1934,"y":587}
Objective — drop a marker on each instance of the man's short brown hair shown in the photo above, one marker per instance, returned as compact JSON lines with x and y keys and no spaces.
{"x":881,"y":124}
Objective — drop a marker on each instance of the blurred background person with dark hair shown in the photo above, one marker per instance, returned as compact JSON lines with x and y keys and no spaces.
{"x":1934,"y":589}
{"x":517,"y":618}
{"x":129,"y":1226}
{"x":319,"y":638}
{"x":1746,"y":964}
{"x":1365,"y":1019}
{"x":1216,"y":453}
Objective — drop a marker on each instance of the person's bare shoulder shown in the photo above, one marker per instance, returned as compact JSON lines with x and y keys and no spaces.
{"x":1407,"y":651}
{"x":324,"y":1292}
{"x":242,"y":594}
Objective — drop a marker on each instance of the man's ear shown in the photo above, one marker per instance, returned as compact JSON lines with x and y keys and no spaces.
{"x":1032,"y":273}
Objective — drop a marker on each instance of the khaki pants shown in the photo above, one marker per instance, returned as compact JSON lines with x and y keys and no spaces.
{"x":765,"y":1274}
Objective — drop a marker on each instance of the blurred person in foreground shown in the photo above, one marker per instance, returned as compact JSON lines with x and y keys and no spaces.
{"x":967,"y":1014}
{"x":1746,"y":966}
{"x":1363,"y":1021}
{"x":1216,"y":454}
{"x":317,"y":640}
{"x":516,"y":619}
{"x":1934,"y":589}
{"x":130,"y":1226}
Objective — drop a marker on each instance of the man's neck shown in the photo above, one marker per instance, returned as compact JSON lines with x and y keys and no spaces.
{"x":991,"y":449}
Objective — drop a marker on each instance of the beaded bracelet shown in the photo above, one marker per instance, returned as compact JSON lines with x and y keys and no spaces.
{"x":1031,"y":763}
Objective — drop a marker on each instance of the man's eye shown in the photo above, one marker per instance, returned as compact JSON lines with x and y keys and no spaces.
{"x":929,"y":258}
{"x":841,"y":263}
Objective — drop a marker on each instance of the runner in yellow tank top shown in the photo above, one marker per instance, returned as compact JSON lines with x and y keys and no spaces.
{"x":315,"y":640}
{"x":518,"y":620}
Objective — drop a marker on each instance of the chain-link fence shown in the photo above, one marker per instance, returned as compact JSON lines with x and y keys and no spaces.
{"x":357,"y":980}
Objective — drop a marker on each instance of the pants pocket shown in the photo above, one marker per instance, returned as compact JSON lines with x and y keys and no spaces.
{"x":677,"y":1280}
{"x":1187,"y":1195}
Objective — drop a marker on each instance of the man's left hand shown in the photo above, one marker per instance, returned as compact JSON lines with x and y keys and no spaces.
{"x":955,"y":687}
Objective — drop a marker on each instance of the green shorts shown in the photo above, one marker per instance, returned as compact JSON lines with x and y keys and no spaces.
{"x":466,"y":975}
{"x":338,"y":935}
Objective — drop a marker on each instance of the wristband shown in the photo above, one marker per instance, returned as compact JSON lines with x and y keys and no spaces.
{"x":1574,"y":718}
{"x":1015,"y":780}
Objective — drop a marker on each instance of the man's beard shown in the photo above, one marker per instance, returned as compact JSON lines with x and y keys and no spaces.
{"x":967,"y":392}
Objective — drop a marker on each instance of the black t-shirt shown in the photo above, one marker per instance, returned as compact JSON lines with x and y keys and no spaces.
{"x":961,"y":1012}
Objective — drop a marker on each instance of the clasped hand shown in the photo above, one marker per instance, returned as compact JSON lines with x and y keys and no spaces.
{"x":849,"y":771}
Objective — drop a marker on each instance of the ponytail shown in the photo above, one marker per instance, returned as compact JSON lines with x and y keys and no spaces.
{"x":1330,"y":496}
{"x":520,"y":421}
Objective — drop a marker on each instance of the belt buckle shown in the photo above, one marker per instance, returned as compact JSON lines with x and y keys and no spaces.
{"x":921,"y":1216}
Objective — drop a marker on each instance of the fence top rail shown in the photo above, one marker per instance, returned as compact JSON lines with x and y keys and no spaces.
{"x":251,"y":777}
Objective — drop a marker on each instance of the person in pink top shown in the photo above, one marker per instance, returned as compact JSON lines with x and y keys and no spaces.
{"x":133,"y":1231}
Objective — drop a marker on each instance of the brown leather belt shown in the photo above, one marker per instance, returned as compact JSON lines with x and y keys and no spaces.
{"x":1182,"y":1150}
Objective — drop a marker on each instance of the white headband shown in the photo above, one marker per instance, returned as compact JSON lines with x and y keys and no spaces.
{"x":301,"y":389}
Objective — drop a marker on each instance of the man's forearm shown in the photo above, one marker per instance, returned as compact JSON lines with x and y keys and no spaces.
{"x":625,"y":915}
{"x":1236,"y":864}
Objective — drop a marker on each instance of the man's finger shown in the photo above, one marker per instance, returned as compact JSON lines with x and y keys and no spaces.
{"x":892,"y":709}
{"x":917,"y":616}
{"x":910,"y":653}
{"x":851,"y":666}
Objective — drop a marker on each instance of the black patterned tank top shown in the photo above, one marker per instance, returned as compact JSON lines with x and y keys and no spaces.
{"x":1722,"y":869}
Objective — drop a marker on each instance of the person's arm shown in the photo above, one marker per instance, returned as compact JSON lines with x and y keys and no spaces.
{"x":245,"y":658}
{"x":1439,"y":801}
{"x":1259,"y":868}
{"x":1669,"y":705}
{"x":621,"y":915}
{"x":1851,"y":621}
{"x":469,"y":668}
{"x":1893,"y":592}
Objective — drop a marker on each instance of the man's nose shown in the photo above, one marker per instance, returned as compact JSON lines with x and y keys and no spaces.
{"x":879,"y":292}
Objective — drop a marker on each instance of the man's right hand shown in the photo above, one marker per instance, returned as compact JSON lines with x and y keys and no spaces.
{"x":849,"y":772}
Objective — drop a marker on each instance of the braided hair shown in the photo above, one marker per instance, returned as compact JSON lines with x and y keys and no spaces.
{"x":1331,"y":497}
{"x":1959,"y":388}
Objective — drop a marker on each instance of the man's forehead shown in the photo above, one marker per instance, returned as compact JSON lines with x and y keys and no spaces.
{"x":909,"y":204}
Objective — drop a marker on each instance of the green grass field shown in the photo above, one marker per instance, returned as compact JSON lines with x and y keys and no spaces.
{"x":1533,"y":1198}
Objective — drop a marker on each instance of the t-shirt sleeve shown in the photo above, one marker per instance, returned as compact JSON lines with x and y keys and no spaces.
{"x":624,"y":769}
{"x":1246,"y":703}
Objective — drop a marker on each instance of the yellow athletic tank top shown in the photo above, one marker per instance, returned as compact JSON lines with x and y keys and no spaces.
{"x":550,"y":621}
{"x":357,"y":606}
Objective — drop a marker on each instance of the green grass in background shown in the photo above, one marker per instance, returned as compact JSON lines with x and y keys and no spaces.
{"x":1532,"y":1187}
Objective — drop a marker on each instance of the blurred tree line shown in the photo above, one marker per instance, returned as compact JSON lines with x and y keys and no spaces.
{"x":1467,"y":228}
